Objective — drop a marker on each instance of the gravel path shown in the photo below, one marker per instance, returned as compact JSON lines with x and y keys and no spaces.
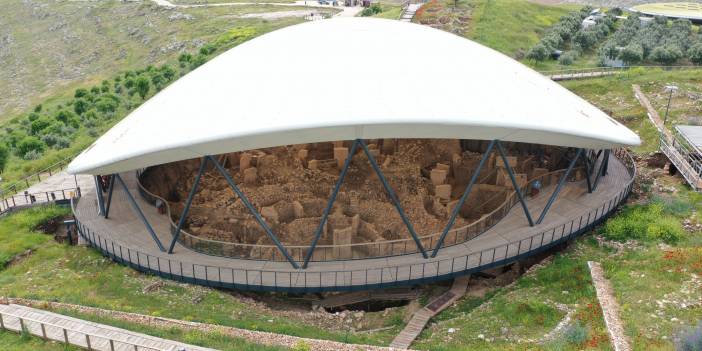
{"x":610,"y":308}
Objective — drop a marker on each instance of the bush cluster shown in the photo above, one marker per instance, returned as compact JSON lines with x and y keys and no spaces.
{"x":644,"y":223}
{"x":565,"y":30}
{"x":373,"y":9}
{"x":661,"y":42}
{"x":91,"y":109}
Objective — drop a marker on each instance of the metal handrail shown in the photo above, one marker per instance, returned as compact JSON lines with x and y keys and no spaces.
{"x":23,"y":200}
{"x":470,"y":231}
{"x":65,"y":330}
{"x":308,"y":281}
{"x":615,"y":69}
{"x":13,"y":187}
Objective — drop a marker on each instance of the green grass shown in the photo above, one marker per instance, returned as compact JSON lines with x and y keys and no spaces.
{"x":615,"y":96}
{"x":81,"y":276}
{"x":16,"y":235}
{"x":55,"y":47}
{"x":10,"y":341}
{"x":512,"y":26}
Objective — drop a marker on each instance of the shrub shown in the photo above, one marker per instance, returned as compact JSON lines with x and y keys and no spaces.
{"x":301,"y":346}
{"x":695,"y":53}
{"x":80,"y":106}
{"x":576,"y":333}
{"x":666,"y":55}
{"x":691,"y":339}
{"x":39,"y":125}
{"x":568,"y":58}
{"x":645,"y":223}
{"x":32,"y":155}
{"x":142,"y":86}
{"x":4,"y":155}
{"x":374,"y":9}
{"x":80,"y":93}
{"x":29,"y":144}
{"x":538,"y":53}
{"x":632,"y":53}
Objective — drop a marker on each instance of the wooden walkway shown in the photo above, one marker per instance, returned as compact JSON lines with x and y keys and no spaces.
{"x":421,"y":318}
{"x":85,"y":334}
{"x":124,"y":238}
{"x":667,"y":140}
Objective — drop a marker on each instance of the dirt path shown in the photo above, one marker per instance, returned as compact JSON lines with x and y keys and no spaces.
{"x":610,"y":308}
{"x":346,"y":11}
{"x":258,"y":337}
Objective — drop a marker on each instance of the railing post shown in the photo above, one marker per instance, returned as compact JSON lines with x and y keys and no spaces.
{"x":87,"y":341}
{"x":65,"y":335}
{"x":43,"y":331}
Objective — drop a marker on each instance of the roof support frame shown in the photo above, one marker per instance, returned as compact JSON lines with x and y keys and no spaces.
{"x":562,"y":181}
{"x":111,"y":188}
{"x":458,"y":206}
{"x":188,"y":202}
{"x":601,"y":171}
{"x":393,"y":197}
{"x":253,"y":211}
{"x":100,"y":197}
{"x":330,"y":203}
{"x":517,"y":189}
{"x":138,"y":211}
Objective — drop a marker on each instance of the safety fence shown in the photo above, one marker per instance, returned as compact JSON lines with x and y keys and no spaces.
{"x":318,"y":278}
{"x":27,"y":199}
{"x":365,"y":250}
{"x":68,"y":334}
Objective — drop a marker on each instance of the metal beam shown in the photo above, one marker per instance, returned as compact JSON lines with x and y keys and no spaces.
{"x":100,"y":197}
{"x":514,"y":183}
{"x":253,"y":211}
{"x":601,"y":172}
{"x":393,"y":197}
{"x":587,"y":175}
{"x":188,"y":202}
{"x":460,"y":203}
{"x":562,"y":181}
{"x":330,"y":203}
{"x":140,"y":214}
{"x":606,"y":160}
{"x":109,"y":195}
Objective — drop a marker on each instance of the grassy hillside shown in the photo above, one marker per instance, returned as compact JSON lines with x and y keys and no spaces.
{"x":508,"y":26}
{"x":48,"y":48}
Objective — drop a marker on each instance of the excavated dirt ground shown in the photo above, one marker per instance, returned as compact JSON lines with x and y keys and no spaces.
{"x":291,"y":185}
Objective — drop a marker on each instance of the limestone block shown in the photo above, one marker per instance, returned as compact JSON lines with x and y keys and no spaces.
{"x":313,"y":164}
{"x":298,"y":209}
{"x":338,"y":143}
{"x":250,"y":176}
{"x":302,"y":154}
{"x":388,"y":146}
{"x":355,"y":224}
{"x":244,"y":161}
{"x":511,"y":160}
{"x":340,"y":155}
{"x":342,"y":237}
{"x":438,"y":176}
{"x":443,"y":166}
{"x":270,"y":214}
{"x":443,"y":191}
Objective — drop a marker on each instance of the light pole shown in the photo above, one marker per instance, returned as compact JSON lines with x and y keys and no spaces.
{"x":671,"y":89}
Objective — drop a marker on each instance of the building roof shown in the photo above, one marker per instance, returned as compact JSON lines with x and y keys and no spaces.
{"x":686,"y":10}
{"x":348,"y":78}
{"x":693,"y":135}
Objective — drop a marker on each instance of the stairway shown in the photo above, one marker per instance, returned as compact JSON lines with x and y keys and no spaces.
{"x":81,"y":333}
{"x":421,"y":318}
{"x":409,"y":12}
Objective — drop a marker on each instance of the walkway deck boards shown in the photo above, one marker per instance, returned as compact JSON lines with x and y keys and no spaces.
{"x":76,"y":330}
{"x":124,"y":228}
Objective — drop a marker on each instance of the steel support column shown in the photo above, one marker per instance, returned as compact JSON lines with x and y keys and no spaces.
{"x":517,"y":189}
{"x":253,"y":211}
{"x":393,"y":197}
{"x":606,"y":161}
{"x":111,"y":188}
{"x":460,"y":203}
{"x":601,"y":171}
{"x":562,"y":181}
{"x":587,"y":175}
{"x":188,"y":202}
{"x":100,"y":197}
{"x":330,"y":203}
{"x":140,"y":214}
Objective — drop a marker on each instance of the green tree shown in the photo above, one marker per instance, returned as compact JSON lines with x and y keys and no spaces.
{"x":632,"y":53}
{"x":80,"y":106}
{"x":666,"y":55}
{"x":538,"y":53}
{"x":695,"y":53}
{"x":29,"y":144}
{"x":142,"y":86}
{"x":4,"y":155}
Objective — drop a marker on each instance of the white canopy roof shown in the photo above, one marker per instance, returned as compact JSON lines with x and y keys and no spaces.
{"x":348,"y":78}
